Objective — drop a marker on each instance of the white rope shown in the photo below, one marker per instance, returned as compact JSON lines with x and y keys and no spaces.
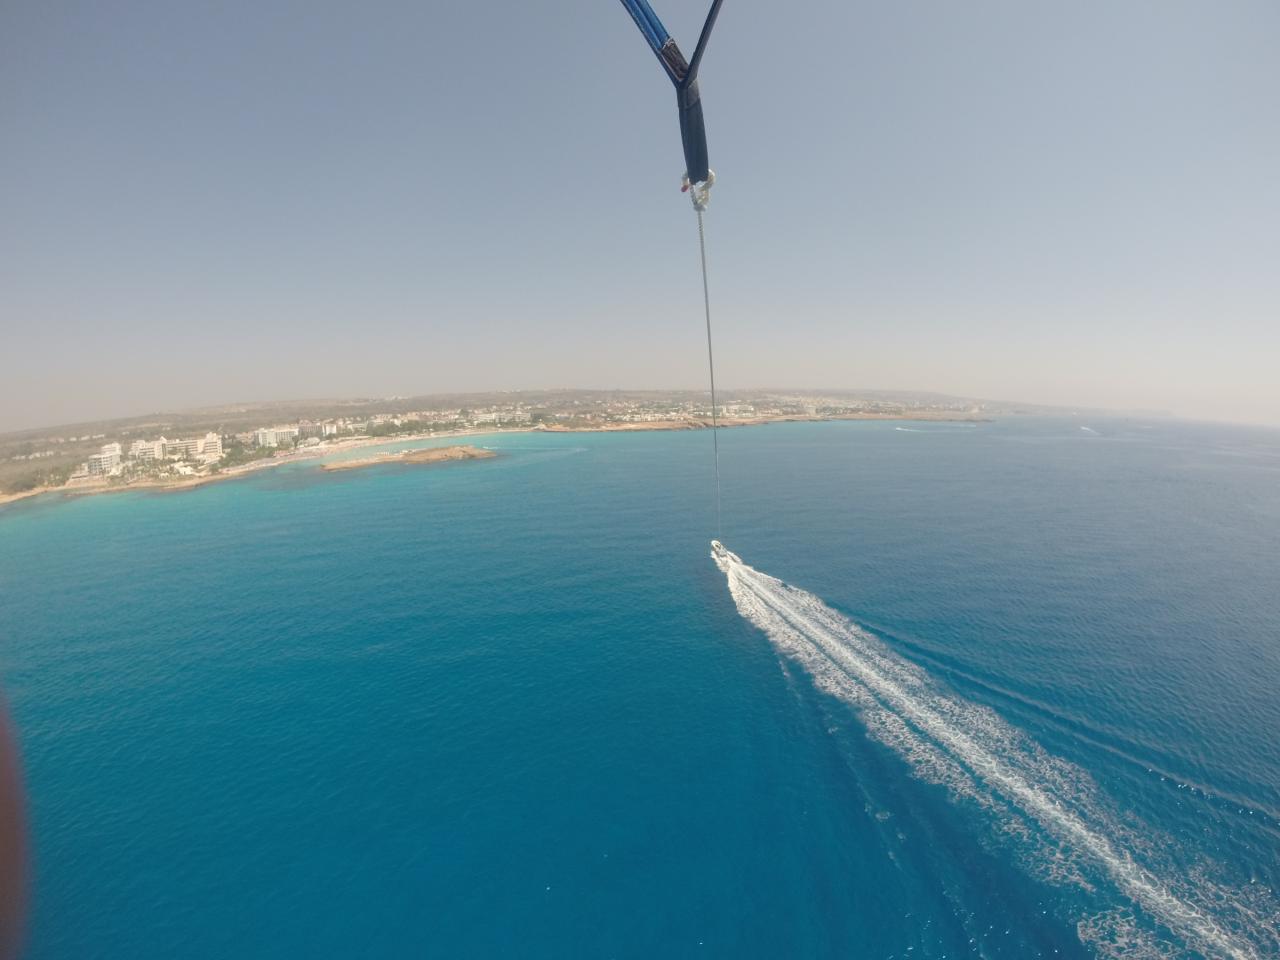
{"x":701,"y":194}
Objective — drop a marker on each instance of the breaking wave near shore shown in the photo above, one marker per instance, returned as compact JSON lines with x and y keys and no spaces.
{"x":1048,"y":811}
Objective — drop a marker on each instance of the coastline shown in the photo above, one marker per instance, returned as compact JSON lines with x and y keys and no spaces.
{"x":704,"y":423}
{"x":267,"y":463}
{"x":324,"y":450}
{"x":421,"y":455}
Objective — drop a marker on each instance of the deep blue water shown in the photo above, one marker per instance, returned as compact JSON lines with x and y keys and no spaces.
{"x":509,"y":707}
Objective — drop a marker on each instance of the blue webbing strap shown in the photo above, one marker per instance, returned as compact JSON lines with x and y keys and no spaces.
{"x":652,"y":29}
{"x":703,"y":38}
{"x":684,"y":76}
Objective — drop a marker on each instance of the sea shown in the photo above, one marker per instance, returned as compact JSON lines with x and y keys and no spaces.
{"x":1000,"y":689}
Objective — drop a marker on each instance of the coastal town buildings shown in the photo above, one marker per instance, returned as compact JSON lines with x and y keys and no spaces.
{"x":319,"y":428}
{"x":182,"y":449}
{"x":207,"y":448}
{"x":211,"y":448}
{"x":147,"y":450}
{"x":106,"y":462}
{"x":274,"y":436}
{"x":500,"y":415}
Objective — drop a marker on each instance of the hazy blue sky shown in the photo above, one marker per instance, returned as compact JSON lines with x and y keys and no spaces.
{"x":1063,"y":202}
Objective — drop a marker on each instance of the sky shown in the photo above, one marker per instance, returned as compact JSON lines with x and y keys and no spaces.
{"x":1073,"y":204}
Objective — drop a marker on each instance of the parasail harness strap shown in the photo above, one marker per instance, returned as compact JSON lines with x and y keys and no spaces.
{"x":684,"y":76}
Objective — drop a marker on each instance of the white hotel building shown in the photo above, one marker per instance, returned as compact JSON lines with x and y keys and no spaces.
{"x":106,"y":461}
{"x":207,"y":448}
{"x":274,"y":436}
{"x":147,"y":449}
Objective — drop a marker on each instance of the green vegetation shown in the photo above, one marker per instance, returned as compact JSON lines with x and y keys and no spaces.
{"x":389,"y":429}
{"x":235,"y":453}
{"x":19,"y":479}
{"x":404,"y":427}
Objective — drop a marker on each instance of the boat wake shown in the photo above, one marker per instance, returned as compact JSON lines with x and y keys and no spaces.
{"x":1048,"y":810}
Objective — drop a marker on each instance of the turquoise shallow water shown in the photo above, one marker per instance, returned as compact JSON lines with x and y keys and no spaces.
{"x":510,"y":707}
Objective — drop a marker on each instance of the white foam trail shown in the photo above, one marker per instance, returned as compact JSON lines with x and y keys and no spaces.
{"x":981,"y":757}
{"x":1091,"y":430}
{"x":908,"y":430}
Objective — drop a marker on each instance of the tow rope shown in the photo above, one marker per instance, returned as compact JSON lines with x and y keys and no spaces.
{"x":698,"y":176}
{"x":700,"y":193}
